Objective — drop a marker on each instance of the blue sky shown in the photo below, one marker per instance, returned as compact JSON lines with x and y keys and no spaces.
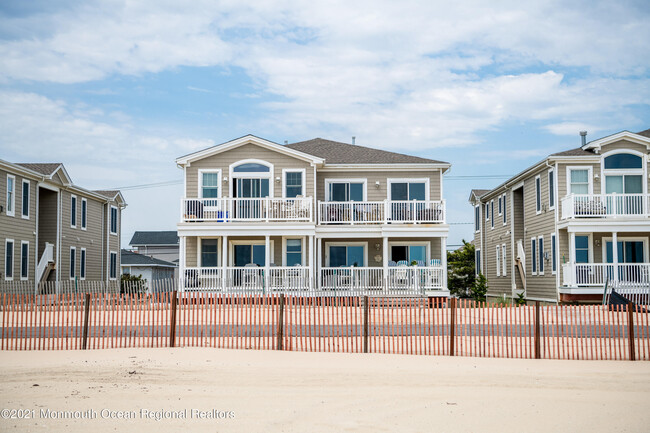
{"x":117,"y":90}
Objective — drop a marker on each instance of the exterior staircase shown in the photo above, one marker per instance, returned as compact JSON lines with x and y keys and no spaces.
{"x":46,"y":264}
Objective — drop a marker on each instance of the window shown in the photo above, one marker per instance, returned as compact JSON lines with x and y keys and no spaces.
{"x":73,"y":211}
{"x":25,"y":199}
{"x":500,"y":207}
{"x":408,"y":253}
{"x":538,"y":194}
{"x":82,"y":264}
{"x":113,"y":220}
{"x":293,"y":252}
{"x":504,"y":209}
{"x":346,"y":255}
{"x":628,"y":251}
{"x":487,"y":211}
{"x":477,"y":218}
{"x":579,"y":181}
{"x":209,"y":253}
{"x":73,"y":260}
{"x":533,"y":248}
{"x":9,"y":259}
{"x":346,"y":191}
{"x":540,"y":245}
{"x":293,"y":184}
{"x":553,"y":255}
{"x":84,"y":211}
{"x":551,"y":189}
{"x":582,"y":249}
{"x":408,"y":190}
{"x":11,"y":195}
{"x":477,"y":265}
{"x":24,"y":260}
{"x":210,"y":181}
{"x":252,"y":167}
{"x":623,"y":160}
{"x":248,"y":253}
{"x":492,"y":213}
{"x":113,"y":266}
{"x":503,"y":260}
{"x":498,"y":257}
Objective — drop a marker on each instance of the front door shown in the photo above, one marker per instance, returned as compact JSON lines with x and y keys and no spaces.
{"x":250,"y":190}
{"x":628,"y":252}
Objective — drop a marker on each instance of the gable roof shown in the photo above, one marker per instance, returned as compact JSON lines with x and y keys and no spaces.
{"x":154,"y":238}
{"x":645,"y":133}
{"x":129,"y":258}
{"x":247,"y":139}
{"x":47,"y":168}
{"x":334,"y":152}
{"x":642,"y":138}
{"x":574,"y":152}
{"x":477,"y":193}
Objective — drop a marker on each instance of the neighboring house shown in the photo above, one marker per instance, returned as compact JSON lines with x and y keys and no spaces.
{"x":150,"y":268}
{"x":53,"y":230}
{"x":314,"y":215}
{"x":550,"y":230}
{"x":161,"y":245}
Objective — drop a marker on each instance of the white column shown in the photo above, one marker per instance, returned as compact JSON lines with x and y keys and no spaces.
{"x":319,"y":260}
{"x":267,"y":261}
{"x":181,"y":263}
{"x":572,"y":258}
{"x":615,"y":254}
{"x":311,"y":262}
{"x":224,"y":262}
{"x":385,"y":261}
{"x":443,"y":261}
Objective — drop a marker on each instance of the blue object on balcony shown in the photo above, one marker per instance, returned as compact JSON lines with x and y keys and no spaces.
{"x":220,"y":216}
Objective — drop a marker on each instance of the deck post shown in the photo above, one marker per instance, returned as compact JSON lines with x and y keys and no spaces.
{"x":615,"y":255}
{"x":630,"y":329}
{"x":452,"y":327}
{"x":385,"y":263}
{"x":224,"y":263}
{"x":172,"y":320}
{"x":84,"y":343}
{"x":538,"y":349}
{"x":365,"y":324}
{"x":280,"y":322}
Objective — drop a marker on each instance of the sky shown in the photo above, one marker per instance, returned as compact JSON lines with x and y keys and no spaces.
{"x":116,"y":90}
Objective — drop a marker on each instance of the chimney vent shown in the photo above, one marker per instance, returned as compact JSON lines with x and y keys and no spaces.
{"x":354,"y":139}
{"x":583,"y":137}
{"x":286,"y":142}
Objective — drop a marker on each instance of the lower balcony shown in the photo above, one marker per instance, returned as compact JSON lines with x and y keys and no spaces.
{"x":606,"y":206}
{"x":598,"y":274}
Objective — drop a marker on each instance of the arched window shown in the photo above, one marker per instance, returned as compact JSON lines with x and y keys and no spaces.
{"x":623,"y":160}
{"x":251,"y":167}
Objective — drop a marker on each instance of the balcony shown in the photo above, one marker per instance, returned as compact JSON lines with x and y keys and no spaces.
{"x":597,"y":274}
{"x":382,"y":212}
{"x":227,"y":210}
{"x":605,"y":206}
{"x":247,"y":279}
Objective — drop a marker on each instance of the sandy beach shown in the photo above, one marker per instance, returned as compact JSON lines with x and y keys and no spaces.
{"x":266,"y":391}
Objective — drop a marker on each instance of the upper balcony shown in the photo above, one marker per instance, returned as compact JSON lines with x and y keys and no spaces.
{"x":605,"y":206}
{"x":226,"y":210}
{"x":382,"y":212}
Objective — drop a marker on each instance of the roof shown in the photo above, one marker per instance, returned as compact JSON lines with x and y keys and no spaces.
{"x":154,"y":238}
{"x":46,"y":168}
{"x":645,"y":133}
{"x":579,"y":151}
{"x":480,"y":192}
{"x":335,"y":152}
{"x":108,"y":193}
{"x":129,"y":258}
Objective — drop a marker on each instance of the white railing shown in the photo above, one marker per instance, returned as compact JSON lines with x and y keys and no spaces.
{"x":45,"y":260}
{"x":415,"y":278}
{"x":202,"y":279}
{"x":597,"y":274}
{"x":290,"y":278}
{"x":248,"y":279}
{"x":246,"y":209}
{"x":605,"y":205}
{"x":351,"y":278}
{"x":382,"y":212}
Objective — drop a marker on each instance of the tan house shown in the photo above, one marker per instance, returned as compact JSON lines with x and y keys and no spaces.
{"x":550,"y":231}
{"x":53,"y":230}
{"x":312,"y":216}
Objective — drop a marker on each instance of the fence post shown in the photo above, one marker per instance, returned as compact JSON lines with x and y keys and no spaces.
{"x":538,"y":348}
{"x":84,"y":342}
{"x":365,"y":324}
{"x":630,"y":329}
{"x":280,"y":322}
{"x":172,"y":321}
{"x":452,"y":328}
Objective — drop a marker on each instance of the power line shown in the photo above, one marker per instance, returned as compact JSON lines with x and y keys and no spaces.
{"x":485,"y":176}
{"x":149,"y":185}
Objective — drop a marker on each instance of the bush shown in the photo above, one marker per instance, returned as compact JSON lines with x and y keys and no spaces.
{"x":460,"y":264}
{"x":132,"y":284}
{"x":479,"y":289}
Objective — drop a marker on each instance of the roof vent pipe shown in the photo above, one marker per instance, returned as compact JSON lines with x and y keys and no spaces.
{"x":354,"y":139}
{"x":583,"y":136}
{"x":286,"y":142}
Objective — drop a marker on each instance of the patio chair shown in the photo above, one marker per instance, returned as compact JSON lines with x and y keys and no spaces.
{"x":392,"y":263}
{"x":402,"y":263}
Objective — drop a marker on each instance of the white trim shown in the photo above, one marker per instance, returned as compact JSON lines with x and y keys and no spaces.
{"x":492,"y":214}
{"x":478,"y":266}
{"x":590,"y":247}
{"x":117,"y":265}
{"x":404,"y":243}
{"x":487,"y":212}
{"x":623,"y":239}
{"x":302,"y":249}
{"x":200,"y":172}
{"x":72,"y":267}
{"x":363,"y":181}
{"x":551,"y":174}
{"x":199,"y":252}
{"x":22,"y":198}
{"x":505,"y":211}
{"x":21,"y":261}
{"x":623,"y":171}
{"x":73,"y":214}
{"x":504,"y":262}
{"x":500,"y":208}
{"x":635,"y":138}
{"x":13,"y":259}
{"x":270,"y":175}
{"x":590,"y":176}
{"x":83,"y":265}
{"x":346,"y":244}
{"x":13,"y":196}
{"x":541,"y":246}
{"x":110,"y":220}
{"x":303,"y":191}
{"x":554,"y":254}
{"x":533,"y":256}
{"x":84,"y":210}
{"x":498,"y":260}
{"x":477,"y":218}
{"x":424,"y":180}
{"x":232,"y":243}
{"x":538,"y":194}
{"x":385,"y":167}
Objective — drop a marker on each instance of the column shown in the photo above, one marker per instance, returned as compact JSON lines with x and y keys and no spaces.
{"x":224,"y":262}
{"x":319,"y":261}
{"x":443,"y":261}
{"x":572,"y":259}
{"x":385,"y":262}
{"x":181,"y":263}
{"x":267,"y":261}
{"x":311,"y":272}
{"x":614,"y":254}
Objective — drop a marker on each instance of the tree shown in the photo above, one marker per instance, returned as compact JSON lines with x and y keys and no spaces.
{"x":132,"y":284}
{"x":479,"y":290}
{"x":461,"y":271}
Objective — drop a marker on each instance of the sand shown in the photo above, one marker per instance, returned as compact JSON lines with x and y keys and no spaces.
{"x":265,"y":391}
